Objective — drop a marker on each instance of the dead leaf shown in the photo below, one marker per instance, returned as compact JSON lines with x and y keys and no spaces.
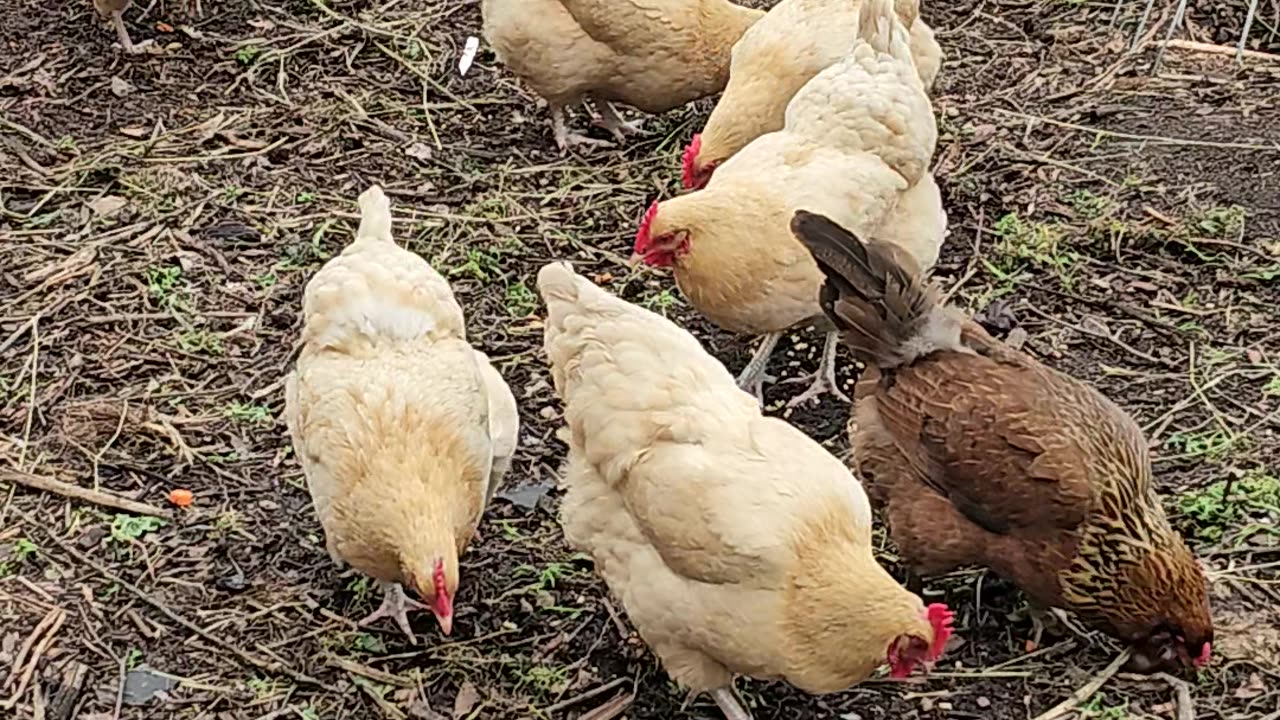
{"x":135,"y":132}
{"x":164,"y":27}
{"x":466,"y":700}
{"x":422,"y":711}
{"x":419,"y":151}
{"x":121,"y":87}
{"x":108,"y":205}
{"x":1251,"y":689}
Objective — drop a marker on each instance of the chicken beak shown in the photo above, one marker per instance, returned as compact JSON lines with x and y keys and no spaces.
{"x":446,"y":623}
{"x":635,"y":259}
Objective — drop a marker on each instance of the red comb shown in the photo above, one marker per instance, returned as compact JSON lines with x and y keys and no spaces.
{"x":686,"y":162}
{"x":941,"y":619}
{"x":642,"y":235}
{"x":1204,"y":655}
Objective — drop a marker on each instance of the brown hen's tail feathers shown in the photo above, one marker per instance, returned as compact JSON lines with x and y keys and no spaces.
{"x":375,"y":216}
{"x":885,"y":310}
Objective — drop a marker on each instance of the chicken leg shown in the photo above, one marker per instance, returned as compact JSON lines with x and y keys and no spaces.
{"x":612,"y":121}
{"x":824,"y":380}
{"x":753,"y":376}
{"x":395,"y":605}
{"x":564,"y":138}
{"x":729,"y":704}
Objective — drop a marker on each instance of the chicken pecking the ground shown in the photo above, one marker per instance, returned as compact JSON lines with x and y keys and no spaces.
{"x":775,"y":58}
{"x":654,"y":56}
{"x":736,"y":544}
{"x":979,"y":454}
{"x":403,"y":429}
{"x":856,"y":146}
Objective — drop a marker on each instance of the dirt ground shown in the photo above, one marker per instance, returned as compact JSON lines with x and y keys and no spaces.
{"x":160,"y":215}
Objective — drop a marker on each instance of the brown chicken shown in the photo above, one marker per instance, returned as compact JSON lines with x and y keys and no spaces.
{"x":403,"y":430}
{"x":797,"y":40}
{"x":979,"y":454}
{"x":654,"y":55}
{"x":736,"y":544}
{"x":856,"y":146}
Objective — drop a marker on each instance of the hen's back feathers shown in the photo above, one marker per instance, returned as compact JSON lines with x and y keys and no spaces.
{"x":874,"y":293}
{"x":376,"y":291}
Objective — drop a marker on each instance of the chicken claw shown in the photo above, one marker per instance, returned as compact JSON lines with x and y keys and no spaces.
{"x":824,"y":380}
{"x":729,"y":704}
{"x":753,"y":376}
{"x":395,"y":605}
{"x":612,"y":121}
{"x":564,"y":138}
{"x":127,"y":43}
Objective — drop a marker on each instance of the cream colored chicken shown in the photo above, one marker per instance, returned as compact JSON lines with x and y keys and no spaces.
{"x":857,"y":144}
{"x":653,"y":55}
{"x":403,"y":429}
{"x":736,"y":544}
{"x":797,"y":40}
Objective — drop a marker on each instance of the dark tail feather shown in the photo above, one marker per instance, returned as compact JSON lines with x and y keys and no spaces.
{"x":874,"y":293}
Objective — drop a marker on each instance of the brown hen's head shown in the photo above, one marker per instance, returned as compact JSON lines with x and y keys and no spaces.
{"x":1163,"y":610}
{"x":658,"y":250}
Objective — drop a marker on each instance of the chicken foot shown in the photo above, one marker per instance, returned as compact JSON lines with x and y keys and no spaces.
{"x":610,"y":119}
{"x":729,"y":704}
{"x":754,"y":375}
{"x":824,"y":380}
{"x":564,"y":138}
{"x":395,"y":605}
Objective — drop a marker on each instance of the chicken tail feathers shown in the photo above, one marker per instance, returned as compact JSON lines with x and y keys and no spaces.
{"x":875,"y":295}
{"x":375,"y":216}
{"x":879,"y":27}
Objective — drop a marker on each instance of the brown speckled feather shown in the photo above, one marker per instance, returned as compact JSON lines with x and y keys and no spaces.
{"x":979,"y":454}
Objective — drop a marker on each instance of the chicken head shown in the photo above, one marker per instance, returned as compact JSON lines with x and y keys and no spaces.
{"x":693,"y":174}
{"x":908,"y":651}
{"x":661,"y":250}
{"x":437,"y":589}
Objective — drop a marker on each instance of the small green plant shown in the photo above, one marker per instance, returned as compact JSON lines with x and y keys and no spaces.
{"x":304,"y":198}
{"x":1222,"y":222}
{"x":360,"y":586}
{"x":23,"y":549}
{"x":1086,"y":203}
{"x":309,"y":713}
{"x":42,"y":220}
{"x":1210,"y":445}
{"x":128,"y":528}
{"x":66,"y":143}
{"x":164,"y":285}
{"x":198,"y":340}
{"x":248,"y":413}
{"x":1098,"y":709}
{"x":661,"y":302}
{"x":133,"y":658}
{"x":247,"y":54}
{"x":232,"y":193}
{"x":520,"y":301}
{"x":1213,"y":513}
{"x":261,"y":687}
{"x":479,"y":264}
{"x":1026,"y":242}
{"x":1273,"y":386}
{"x":364,"y":642}
{"x":266,"y":280}
{"x":546,"y":680}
